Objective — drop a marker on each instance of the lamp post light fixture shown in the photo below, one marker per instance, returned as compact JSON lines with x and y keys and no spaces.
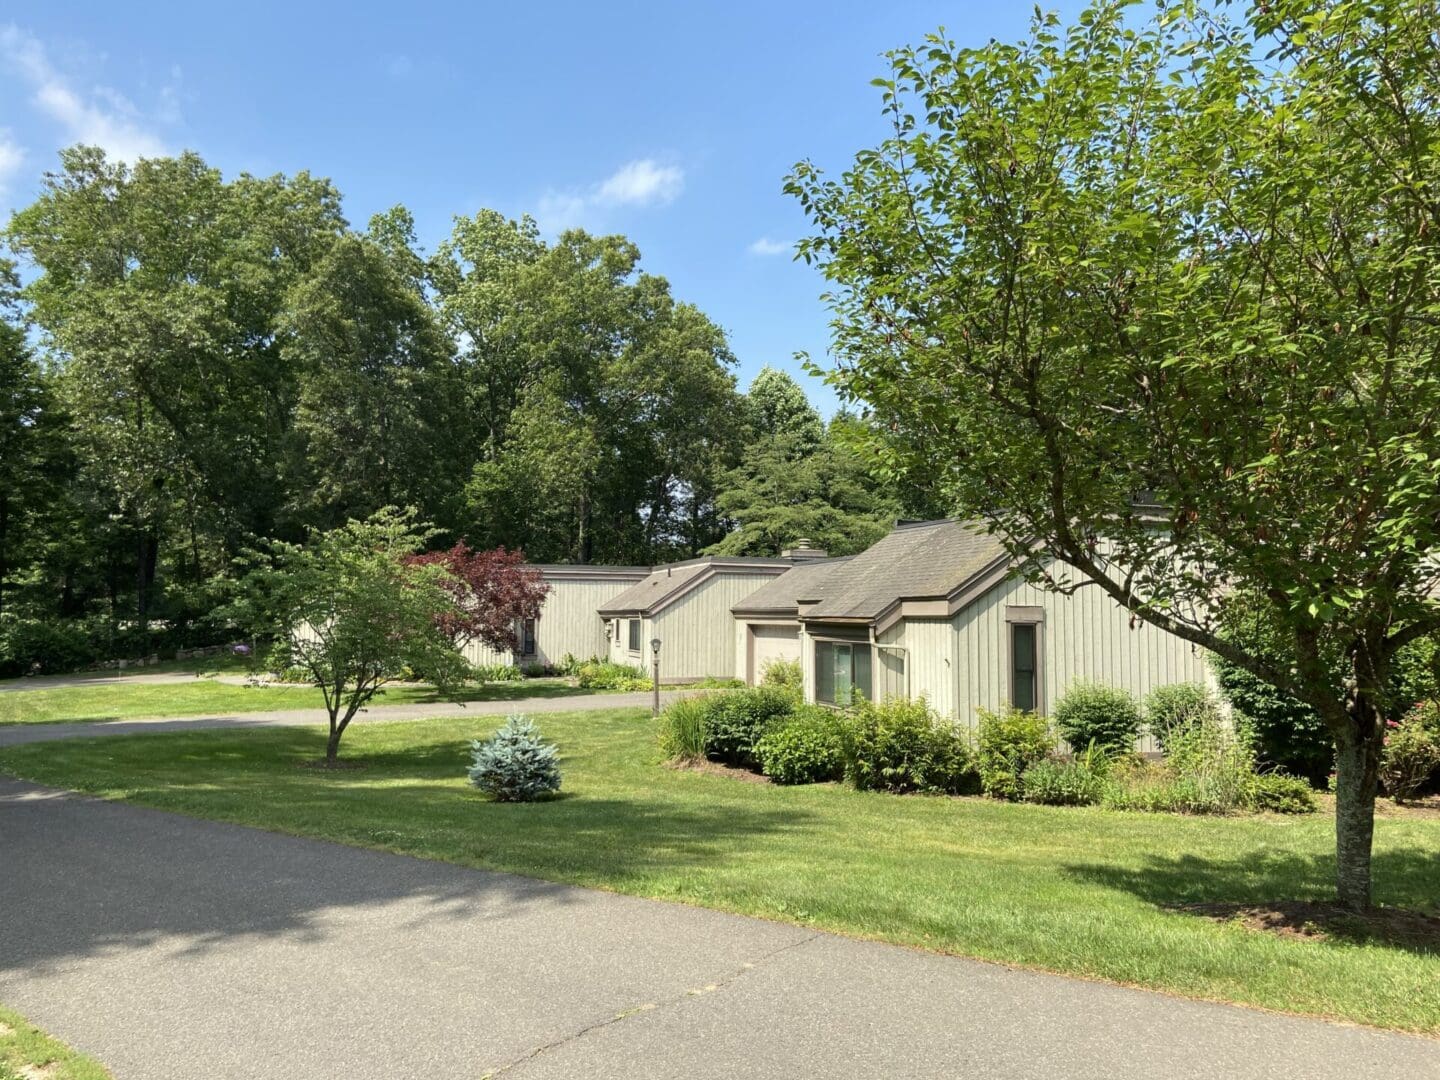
{"x":655,"y":676}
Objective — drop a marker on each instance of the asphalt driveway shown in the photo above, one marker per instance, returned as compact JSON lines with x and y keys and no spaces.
{"x":19,"y":734}
{"x":172,"y":947}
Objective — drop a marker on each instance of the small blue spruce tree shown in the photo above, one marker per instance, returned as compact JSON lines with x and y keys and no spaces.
{"x":515,"y":765}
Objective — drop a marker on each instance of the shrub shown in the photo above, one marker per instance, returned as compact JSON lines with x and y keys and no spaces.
{"x":514,"y":765}
{"x":570,"y":664}
{"x":785,"y":674}
{"x":1167,"y":706}
{"x":805,"y":748}
{"x":1089,"y":714}
{"x":1411,"y":754}
{"x":1077,"y":782}
{"x":736,"y":720}
{"x":902,"y":746}
{"x":684,"y":726}
{"x":1209,"y":769}
{"x":604,"y":675}
{"x":43,"y":646}
{"x":488,"y":673}
{"x":1214,"y":763}
{"x":1281,"y":794}
{"x":1010,"y":742}
{"x":718,"y":682}
{"x":534,"y":669}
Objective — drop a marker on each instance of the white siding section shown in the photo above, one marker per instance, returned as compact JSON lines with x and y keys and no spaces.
{"x":698,"y":631}
{"x":620,"y":644}
{"x":1084,"y":636}
{"x":762,"y":643}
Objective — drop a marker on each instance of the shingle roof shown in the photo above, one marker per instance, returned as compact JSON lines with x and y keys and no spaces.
{"x":928,"y":560}
{"x":666,"y":584}
{"x":782,"y":595}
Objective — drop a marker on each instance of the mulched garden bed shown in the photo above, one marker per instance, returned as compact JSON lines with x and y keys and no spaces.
{"x":1316,"y":921}
{"x":714,"y":768}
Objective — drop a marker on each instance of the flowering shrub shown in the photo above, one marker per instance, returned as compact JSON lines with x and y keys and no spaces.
{"x":1411,"y":755}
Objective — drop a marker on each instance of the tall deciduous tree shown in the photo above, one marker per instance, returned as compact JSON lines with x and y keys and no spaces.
{"x":378,"y":401}
{"x":157,"y":292}
{"x":1192,"y":262}
{"x":606,"y":408}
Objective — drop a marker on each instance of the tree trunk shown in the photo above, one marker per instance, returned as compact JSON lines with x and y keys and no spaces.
{"x":332,"y":745}
{"x":4,"y":539}
{"x":1357,"y":772}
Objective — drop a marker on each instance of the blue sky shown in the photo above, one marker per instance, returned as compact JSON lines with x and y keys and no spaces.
{"x":672,"y":123}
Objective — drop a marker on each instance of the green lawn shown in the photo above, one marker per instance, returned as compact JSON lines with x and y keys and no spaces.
{"x":22,"y":1044}
{"x":1081,"y":891}
{"x":207,"y":697}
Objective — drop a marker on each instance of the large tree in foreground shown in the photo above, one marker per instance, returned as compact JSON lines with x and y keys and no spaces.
{"x":1191,"y":262}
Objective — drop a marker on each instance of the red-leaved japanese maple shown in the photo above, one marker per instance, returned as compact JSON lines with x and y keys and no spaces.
{"x":493,"y":590}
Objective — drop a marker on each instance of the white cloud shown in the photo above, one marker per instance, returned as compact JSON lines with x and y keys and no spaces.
{"x":766,"y":246}
{"x":12,"y":157}
{"x":637,"y":183}
{"x":641,"y":183}
{"x":100,"y":116}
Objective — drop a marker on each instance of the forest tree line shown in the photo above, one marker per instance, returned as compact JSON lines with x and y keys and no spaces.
{"x":190,"y":366}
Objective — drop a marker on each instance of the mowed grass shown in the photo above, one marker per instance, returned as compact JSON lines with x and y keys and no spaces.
{"x":205,"y":697}
{"x":1081,"y":891}
{"x":23,"y":1045}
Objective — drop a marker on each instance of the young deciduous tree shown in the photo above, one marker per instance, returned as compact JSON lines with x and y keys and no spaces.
{"x":492,"y":593}
{"x":356,"y":611}
{"x":1194,"y":262}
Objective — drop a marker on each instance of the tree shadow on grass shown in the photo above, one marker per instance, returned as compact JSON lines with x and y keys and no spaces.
{"x":502,"y":691}
{"x":1288,"y":893}
{"x":84,"y":877}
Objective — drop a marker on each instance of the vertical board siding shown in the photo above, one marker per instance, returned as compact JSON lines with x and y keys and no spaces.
{"x":567,"y":624}
{"x":697,"y":631}
{"x":1084,"y":636}
{"x":929,"y":661}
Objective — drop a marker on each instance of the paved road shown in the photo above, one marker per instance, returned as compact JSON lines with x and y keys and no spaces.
{"x":129,"y":677}
{"x":18,"y":734}
{"x":176,"y":948}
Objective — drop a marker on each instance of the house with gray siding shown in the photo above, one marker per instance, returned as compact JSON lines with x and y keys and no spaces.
{"x":569,"y":622}
{"x":767,"y":622}
{"x":686,"y":605}
{"x":933,"y":611}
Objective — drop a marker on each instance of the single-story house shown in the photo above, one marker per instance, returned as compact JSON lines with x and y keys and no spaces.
{"x":569,"y":623}
{"x":767,"y":622}
{"x":686,"y":605}
{"x":931,"y":610}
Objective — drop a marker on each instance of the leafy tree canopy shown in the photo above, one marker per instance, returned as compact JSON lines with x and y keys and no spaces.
{"x":1186,"y":260}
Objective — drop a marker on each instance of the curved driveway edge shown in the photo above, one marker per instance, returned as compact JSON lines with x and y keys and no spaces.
{"x":172,"y":947}
{"x":20,"y":734}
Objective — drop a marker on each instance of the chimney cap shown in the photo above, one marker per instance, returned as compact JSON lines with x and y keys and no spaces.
{"x":803,"y":550}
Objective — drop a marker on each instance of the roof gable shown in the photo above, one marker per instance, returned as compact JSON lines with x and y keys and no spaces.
{"x":666,"y":584}
{"x":782,"y":595}
{"x":931,"y":561}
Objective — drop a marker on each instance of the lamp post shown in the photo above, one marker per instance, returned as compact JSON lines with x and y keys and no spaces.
{"x":655,"y":676}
